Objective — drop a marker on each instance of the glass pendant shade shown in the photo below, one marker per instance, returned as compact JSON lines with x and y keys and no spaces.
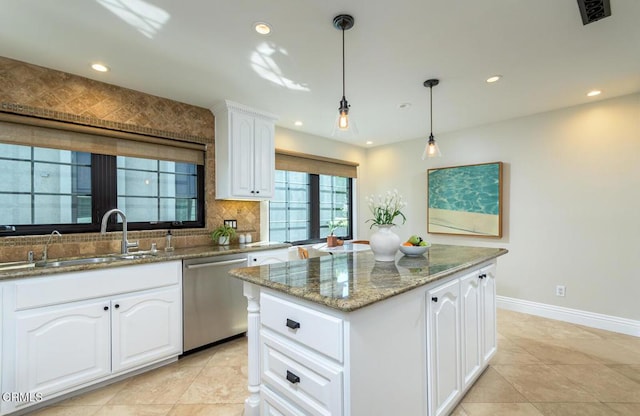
{"x":431,"y":149}
{"x":343,"y":117}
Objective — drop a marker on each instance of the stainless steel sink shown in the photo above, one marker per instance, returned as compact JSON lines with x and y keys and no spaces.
{"x":78,"y":262}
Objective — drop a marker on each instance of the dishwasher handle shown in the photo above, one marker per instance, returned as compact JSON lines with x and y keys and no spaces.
{"x":216,"y":263}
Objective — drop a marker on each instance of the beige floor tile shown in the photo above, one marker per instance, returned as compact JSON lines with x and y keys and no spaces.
{"x":232,"y":354}
{"x":541,"y":383}
{"x":625,"y":409}
{"x":602,"y":382}
{"x":135,"y":410}
{"x":207,"y":410}
{"x":631,"y":371}
{"x":549,"y":352}
{"x":602,"y":350}
{"x":161,"y":386}
{"x":67,"y":411}
{"x":509,"y":352}
{"x":573,"y":409}
{"x":500,"y":409}
{"x":217,"y":385}
{"x":491,"y":387}
{"x":96,"y":397}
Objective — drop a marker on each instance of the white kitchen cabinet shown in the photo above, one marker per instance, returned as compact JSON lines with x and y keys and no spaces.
{"x":145,"y":328}
{"x":61,"y":347}
{"x":244,"y":152}
{"x":488,"y":309}
{"x":471,"y":314}
{"x":68,"y":331}
{"x":443,"y":347}
{"x":259,"y":258}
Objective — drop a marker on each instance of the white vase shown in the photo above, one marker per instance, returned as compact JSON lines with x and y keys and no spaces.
{"x":384,"y":243}
{"x":223,"y":240}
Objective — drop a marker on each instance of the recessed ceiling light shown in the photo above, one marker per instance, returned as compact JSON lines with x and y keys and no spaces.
{"x":262,"y":28}
{"x":403,"y":106}
{"x":494,"y":78}
{"x":369,"y":142}
{"x":593,"y":93}
{"x":100,"y":67}
{"x":298,"y":123}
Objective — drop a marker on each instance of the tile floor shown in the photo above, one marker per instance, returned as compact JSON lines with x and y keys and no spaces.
{"x":543,"y":367}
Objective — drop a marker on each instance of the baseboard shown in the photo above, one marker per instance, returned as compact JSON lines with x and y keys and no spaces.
{"x":574,"y":316}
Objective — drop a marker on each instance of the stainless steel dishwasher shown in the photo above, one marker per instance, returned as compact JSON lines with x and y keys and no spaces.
{"x":213,"y":305}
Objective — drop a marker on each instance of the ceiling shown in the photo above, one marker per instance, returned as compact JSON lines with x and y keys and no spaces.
{"x":203,"y":51}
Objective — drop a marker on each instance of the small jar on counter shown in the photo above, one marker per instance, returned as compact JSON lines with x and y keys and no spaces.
{"x":247,"y":238}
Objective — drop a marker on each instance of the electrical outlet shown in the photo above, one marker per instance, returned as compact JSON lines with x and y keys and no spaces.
{"x":231,"y":223}
{"x":560,"y":290}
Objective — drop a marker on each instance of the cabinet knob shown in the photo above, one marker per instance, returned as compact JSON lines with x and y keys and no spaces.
{"x":292,"y":378}
{"x":257,"y":192}
{"x":253,"y":192}
{"x":293,"y":324}
{"x":482,"y":276}
{"x":106,"y":308}
{"x":434,"y":299}
{"x":117,"y":305}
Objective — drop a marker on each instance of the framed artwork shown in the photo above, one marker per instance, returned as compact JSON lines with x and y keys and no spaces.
{"x":465,"y":200}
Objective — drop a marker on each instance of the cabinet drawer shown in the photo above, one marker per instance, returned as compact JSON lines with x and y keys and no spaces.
{"x":273,"y":405}
{"x":307,"y":326}
{"x":310,"y":382}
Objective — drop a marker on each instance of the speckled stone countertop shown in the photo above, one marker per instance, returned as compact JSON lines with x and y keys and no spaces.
{"x":177,"y":254}
{"x":347,"y":282}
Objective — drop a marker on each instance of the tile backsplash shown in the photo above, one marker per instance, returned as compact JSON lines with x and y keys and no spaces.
{"x":63,"y":96}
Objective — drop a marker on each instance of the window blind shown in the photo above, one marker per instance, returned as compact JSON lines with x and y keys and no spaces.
{"x":29,"y":131}
{"x":320,"y":165}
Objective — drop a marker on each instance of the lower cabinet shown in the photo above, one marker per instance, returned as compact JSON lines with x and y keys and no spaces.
{"x":259,"y":258}
{"x":50,"y":350}
{"x":461,"y":336}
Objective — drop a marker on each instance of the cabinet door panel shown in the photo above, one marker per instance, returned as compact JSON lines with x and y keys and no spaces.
{"x":264,"y":158}
{"x":146,"y":328}
{"x":488,"y":292}
{"x":242,"y":169}
{"x":61,"y":348}
{"x":443,"y":332}
{"x":471,"y":327}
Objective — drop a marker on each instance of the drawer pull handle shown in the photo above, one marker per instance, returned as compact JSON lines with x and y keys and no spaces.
{"x":434,"y":299}
{"x":293,"y":324}
{"x":292,"y":378}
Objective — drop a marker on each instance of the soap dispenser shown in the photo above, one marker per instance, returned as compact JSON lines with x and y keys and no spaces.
{"x":168,"y":246}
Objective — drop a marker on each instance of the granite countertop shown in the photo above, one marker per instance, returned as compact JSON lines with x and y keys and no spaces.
{"x":177,"y":254}
{"x":350,"y":281}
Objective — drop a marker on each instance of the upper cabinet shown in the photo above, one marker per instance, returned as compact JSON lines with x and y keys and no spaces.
{"x":244,"y":152}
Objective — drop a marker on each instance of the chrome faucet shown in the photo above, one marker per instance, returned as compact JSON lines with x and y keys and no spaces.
{"x":45,"y":251}
{"x":126,"y":245}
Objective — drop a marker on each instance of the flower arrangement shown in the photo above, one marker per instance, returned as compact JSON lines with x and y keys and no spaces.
{"x":386,"y":209}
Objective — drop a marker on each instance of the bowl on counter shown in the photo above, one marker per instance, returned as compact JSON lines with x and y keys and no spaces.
{"x":414,"y":251}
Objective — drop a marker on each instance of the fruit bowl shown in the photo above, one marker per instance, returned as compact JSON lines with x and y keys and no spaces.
{"x":414,"y":251}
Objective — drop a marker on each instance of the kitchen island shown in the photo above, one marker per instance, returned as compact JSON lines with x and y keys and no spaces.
{"x":346,"y":335}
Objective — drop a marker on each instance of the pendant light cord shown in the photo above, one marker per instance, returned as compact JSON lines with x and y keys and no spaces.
{"x":431,"y":109}
{"x":343,"y":60}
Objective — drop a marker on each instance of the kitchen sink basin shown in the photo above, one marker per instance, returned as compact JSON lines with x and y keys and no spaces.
{"x":78,"y":262}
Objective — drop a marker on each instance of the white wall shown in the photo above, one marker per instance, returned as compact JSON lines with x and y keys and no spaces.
{"x":571,"y":200}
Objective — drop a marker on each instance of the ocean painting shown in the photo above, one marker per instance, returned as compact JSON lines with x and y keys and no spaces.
{"x":466,"y":200}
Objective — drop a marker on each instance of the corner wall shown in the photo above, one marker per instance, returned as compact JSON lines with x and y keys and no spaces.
{"x":571,"y":201}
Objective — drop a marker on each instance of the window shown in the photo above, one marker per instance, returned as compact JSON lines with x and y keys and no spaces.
{"x":305,"y":205}
{"x":43,"y":189}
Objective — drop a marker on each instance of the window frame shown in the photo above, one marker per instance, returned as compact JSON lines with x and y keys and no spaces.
{"x":104,"y":197}
{"x":314,"y":214}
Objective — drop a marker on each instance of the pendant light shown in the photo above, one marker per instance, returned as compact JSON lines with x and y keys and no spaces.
{"x":343,"y":124}
{"x":431,"y":149}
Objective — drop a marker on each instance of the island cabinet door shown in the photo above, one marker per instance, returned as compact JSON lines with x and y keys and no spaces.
{"x":472,"y":337}
{"x":488,"y":310}
{"x":443,"y":347}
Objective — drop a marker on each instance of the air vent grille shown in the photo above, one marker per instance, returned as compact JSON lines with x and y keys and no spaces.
{"x":594,"y":10}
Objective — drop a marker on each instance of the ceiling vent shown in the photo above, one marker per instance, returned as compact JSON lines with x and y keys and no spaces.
{"x":594,"y":10}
